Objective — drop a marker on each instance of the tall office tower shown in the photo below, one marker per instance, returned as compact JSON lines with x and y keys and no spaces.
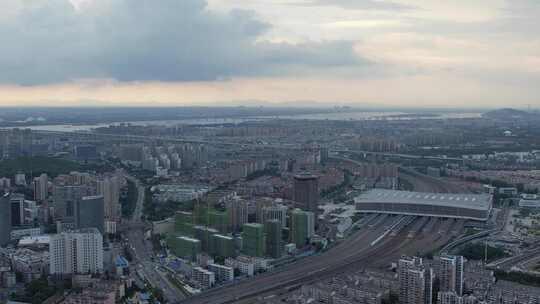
{"x":109,"y":188}
{"x":76,"y":252}
{"x":90,"y":213}
{"x":65,"y":200}
{"x":415,"y":281}
{"x":274,"y":244}
{"x":17,"y":210}
{"x":253,"y":240}
{"x":451,"y":274}
{"x":306,"y":191}
{"x":238,"y":210}
{"x":41,"y":184}
{"x":302,"y":227}
{"x":275,"y":212}
{"x":5,"y":219}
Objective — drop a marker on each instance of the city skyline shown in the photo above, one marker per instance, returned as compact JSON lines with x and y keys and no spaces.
{"x":271,"y":53}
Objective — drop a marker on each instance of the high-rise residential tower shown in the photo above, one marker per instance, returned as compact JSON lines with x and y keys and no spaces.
{"x":76,"y":252}
{"x":90,"y":213}
{"x":306,"y":191}
{"x":109,"y":188}
{"x":238,"y":211}
{"x":450,"y":274}
{"x":274,"y":244}
{"x":41,"y":187}
{"x":253,"y":240}
{"x":415,"y":281}
{"x":302,"y":227}
{"x":5,"y":219}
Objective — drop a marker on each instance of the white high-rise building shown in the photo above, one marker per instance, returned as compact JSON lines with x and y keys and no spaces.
{"x":76,"y":252}
{"x":450,"y":274}
{"x":41,"y":187}
{"x":109,"y":187}
{"x":415,"y":281}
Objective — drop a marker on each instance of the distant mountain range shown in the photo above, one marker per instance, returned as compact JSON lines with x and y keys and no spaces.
{"x":510,"y":114}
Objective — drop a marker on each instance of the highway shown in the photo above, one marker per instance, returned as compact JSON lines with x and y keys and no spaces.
{"x":401,"y":155}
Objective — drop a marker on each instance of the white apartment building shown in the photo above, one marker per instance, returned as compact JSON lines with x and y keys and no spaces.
{"x":76,"y":252}
{"x":222,"y":273}
{"x":276,"y":212}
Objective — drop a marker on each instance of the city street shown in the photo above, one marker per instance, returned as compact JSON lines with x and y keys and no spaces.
{"x":143,"y":251}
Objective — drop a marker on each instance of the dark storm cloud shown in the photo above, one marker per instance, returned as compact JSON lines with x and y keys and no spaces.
{"x":48,"y":41}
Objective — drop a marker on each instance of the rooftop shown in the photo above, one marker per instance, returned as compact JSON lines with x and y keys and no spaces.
{"x":305,"y":176}
{"x":189,"y":239}
{"x":34,"y":240}
{"x":470,"y":201}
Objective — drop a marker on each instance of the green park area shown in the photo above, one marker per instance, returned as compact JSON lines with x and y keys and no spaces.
{"x":33,"y":166}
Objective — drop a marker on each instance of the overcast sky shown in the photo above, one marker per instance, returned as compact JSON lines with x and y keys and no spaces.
{"x":460,"y":53}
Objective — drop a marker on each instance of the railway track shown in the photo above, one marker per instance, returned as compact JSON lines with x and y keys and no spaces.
{"x":354,"y":254}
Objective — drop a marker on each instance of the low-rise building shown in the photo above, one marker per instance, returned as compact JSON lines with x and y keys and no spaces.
{"x":204,"y":278}
{"x":222,"y":273}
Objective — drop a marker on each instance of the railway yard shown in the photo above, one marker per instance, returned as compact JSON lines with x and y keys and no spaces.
{"x":381,"y":239}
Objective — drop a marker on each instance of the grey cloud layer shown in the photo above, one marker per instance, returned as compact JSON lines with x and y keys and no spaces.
{"x":48,"y":41}
{"x":359,"y":4}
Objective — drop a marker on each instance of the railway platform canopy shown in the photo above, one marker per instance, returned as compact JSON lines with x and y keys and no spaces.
{"x":446,"y":205}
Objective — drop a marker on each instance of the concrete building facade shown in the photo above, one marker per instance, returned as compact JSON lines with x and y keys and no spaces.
{"x":306,"y":191}
{"x":76,"y":252}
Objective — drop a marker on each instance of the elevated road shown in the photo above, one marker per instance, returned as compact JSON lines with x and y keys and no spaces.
{"x":401,"y":155}
{"x":466,"y":239}
{"x":508,"y":263}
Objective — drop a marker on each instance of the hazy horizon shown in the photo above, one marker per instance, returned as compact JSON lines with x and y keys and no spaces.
{"x":274,"y":53}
